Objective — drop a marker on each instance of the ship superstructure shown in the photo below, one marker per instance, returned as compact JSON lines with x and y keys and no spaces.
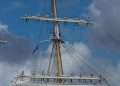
{"x":58,"y":79}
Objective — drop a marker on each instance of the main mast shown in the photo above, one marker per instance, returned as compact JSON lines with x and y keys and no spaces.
{"x":57,"y":41}
{"x":55,"y":20}
{"x":23,"y":80}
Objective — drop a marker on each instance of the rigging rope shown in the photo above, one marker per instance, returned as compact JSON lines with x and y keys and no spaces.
{"x":91,"y":67}
{"x":50,"y":60}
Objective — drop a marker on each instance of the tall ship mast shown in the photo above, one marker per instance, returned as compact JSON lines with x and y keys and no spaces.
{"x":59,"y":78}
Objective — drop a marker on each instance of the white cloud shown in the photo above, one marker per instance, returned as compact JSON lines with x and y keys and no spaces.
{"x":72,"y":57}
{"x":113,"y":74}
{"x":8,"y":69}
{"x":106,"y":15}
{"x":95,"y":11}
{"x":8,"y":72}
{"x":106,"y":32}
{"x":3,"y":27}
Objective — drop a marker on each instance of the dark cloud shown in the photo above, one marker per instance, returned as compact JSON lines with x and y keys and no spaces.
{"x":17,"y":50}
{"x":106,"y":31}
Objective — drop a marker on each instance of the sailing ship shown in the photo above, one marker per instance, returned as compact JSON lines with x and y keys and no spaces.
{"x":58,"y":78}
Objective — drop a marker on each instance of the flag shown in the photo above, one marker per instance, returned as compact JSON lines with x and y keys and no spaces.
{"x":35,"y":49}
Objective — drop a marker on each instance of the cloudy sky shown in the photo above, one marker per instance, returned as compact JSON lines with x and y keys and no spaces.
{"x":97,"y":45}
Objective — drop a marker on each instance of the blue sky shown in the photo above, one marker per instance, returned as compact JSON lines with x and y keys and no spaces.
{"x":12,"y":10}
